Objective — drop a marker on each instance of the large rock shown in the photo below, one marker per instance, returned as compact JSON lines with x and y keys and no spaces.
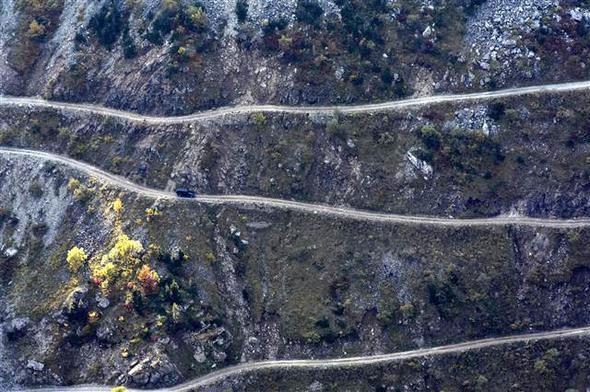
{"x":154,"y":371}
{"x":34,"y":366}
{"x":76,"y":304}
{"x":17,"y":327}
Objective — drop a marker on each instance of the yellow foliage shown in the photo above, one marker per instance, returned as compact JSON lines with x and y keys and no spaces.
{"x":125,"y":249}
{"x":151,"y":212}
{"x":73,"y":184}
{"x":117,"y":263}
{"x":117,"y":205}
{"x":76,"y":258}
{"x":80,"y":191}
{"x":36,"y":29}
{"x":93,"y":316}
{"x":120,"y":389}
{"x":259,"y":119}
{"x":105,"y":271}
{"x":197,"y":15}
{"x":285,"y":41}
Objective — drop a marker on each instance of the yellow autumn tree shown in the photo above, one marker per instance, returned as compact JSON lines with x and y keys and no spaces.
{"x":117,"y":262}
{"x":76,"y":257}
{"x":117,"y":205}
{"x":125,"y":250}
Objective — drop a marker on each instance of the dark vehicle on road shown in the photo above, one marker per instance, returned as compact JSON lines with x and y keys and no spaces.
{"x":183,"y":192}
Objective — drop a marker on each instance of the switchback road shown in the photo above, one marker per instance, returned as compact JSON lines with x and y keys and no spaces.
{"x":246,"y":109}
{"x":321,"y":209}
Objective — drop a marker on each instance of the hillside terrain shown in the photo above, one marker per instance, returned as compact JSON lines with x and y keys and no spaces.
{"x":246,"y":284}
{"x":464,"y":159}
{"x":116,"y":285}
{"x":179,"y":56}
{"x":539,"y":366}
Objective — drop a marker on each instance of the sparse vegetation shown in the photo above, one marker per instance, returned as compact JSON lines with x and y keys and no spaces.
{"x":187,"y":287}
{"x":38,"y":22}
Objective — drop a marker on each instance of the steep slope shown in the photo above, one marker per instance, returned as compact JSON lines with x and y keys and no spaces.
{"x":248,"y":284}
{"x":179,"y":56}
{"x":103,"y":284}
{"x":511,"y":155}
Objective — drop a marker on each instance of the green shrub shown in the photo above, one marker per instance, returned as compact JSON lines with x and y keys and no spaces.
{"x":107,"y":24}
{"x":309,"y":12}
{"x":430,"y":137}
{"x":35,"y":189}
{"x":129,"y":49}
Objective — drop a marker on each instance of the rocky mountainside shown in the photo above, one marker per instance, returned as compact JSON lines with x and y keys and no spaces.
{"x":244,"y":284}
{"x":104,"y":285}
{"x":508,"y":156}
{"x":177,"y":56}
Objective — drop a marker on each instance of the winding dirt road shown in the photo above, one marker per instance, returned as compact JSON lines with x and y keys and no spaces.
{"x":308,"y":208}
{"x":308,"y":364}
{"x":258,"y":201}
{"x":366,"y":108}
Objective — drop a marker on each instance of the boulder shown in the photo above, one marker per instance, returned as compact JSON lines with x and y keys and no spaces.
{"x":34,"y":366}
{"x":76,"y":303}
{"x":17,"y":327}
{"x":154,"y":371}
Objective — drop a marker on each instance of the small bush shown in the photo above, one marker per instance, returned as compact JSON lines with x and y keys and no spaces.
{"x":148,"y":280}
{"x":259,"y":119}
{"x":309,"y":12}
{"x":39,"y":229}
{"x":36,"y":30}
{"x":125,"y":250}
{"x":117,"y":206}
{"x":430,"y":137}
{"x":197,"y":17}
{"x":107,"y":24}
{"x":80,"y":192}
{"x":76,"y":258}
{"x":36,"y":190}
{"x":242,"y":10}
